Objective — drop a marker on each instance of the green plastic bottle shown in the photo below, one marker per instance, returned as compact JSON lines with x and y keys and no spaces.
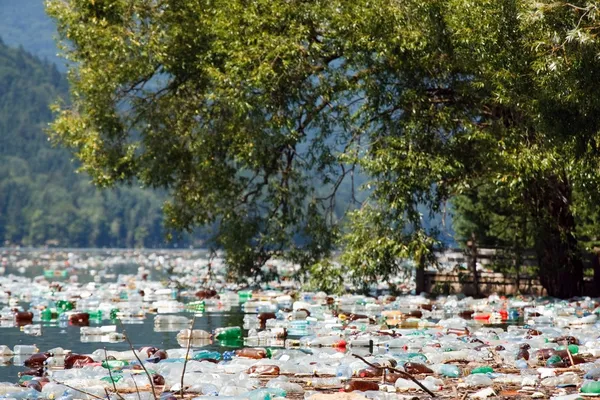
{"x":113,"y":313}
{"x":95,"y":314}
{"x":114,"y":364}
{"x":64,"y":305}
{"x":550,"y":362}
{"x":231,"y":332}
{"x":25,"y":378}
{"x":206,"y":355}
{"x":115,"y":378}
{"x":197,"y":306}
{"x":46,"y":314}
{"x":482,"y":370}
{"x":235,"y":342}
{"x":590,"y":387}
{"x":244,"y":296}
{"x":573,"y":348}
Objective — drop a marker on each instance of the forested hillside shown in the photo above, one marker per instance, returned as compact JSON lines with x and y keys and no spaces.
{"x":25,"y":23}
{"x":42,"y":199}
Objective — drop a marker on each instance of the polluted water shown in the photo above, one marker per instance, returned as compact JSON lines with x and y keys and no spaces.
{"x":161,"y":325}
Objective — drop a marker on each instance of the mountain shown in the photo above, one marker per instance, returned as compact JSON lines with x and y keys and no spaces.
{"x":25,"y":23}
{"x":42,"y":199}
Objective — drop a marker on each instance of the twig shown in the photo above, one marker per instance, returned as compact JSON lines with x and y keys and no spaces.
{"x":403,"y":373}
{"x":79,"y":390}
{"x":137,"y":390}
{"x":464,"y":396}
{"x":189,"y":344}
{"x":569,"y":353}
{"x":110,"y":375}
{"x":138,"y":358}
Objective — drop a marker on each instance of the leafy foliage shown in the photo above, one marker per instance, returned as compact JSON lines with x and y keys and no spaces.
{"x":247,"y":111}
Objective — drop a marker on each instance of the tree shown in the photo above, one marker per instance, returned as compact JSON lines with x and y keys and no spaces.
{"x":246,"y":111}
{"x":478,"y":96}
{"x":490,"y":218}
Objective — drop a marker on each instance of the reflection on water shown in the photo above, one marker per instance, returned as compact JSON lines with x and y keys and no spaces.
{"x":141,"y":332}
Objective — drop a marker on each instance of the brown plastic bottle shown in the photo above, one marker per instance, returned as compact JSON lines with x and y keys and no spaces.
{"x":363,"y":386}
{"x":264,"y":370}
{"x":79,"y":318}
{"x":33,"y":371}
{"x":36,"y":360}
{"x":466,"y":314}
{"x":416,"y":368}
{"x":35,"y":385}
{"x":148,"y":350}
{"x":568,"y":339}
{"x":544,"y":354}
{"x":23,"y":316}
{"x":523,"y":354}
{"x":77,"y":360}
{"x":561,"y":353}
{"x":576,"y":359}
{"x":158,"y":379}
{"x":263,"y":317}
{"x":370,"y":372}
{"x":160,"y":354}
{"x":392,"y":377}
{"x":255,"y":353}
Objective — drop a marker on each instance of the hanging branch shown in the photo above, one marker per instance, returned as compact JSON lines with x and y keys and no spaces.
{"x":404,"y":374}
{"x":138,"y":358}
{"x":110,"y":375}
{"x":79,"y":390}
{"x":189,"y":344}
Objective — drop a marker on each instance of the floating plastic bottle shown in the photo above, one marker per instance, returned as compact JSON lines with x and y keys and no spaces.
{"x":448,"y":370}
{"x":25,"y":349}
{"x":590,"y":387}
{"x":482,"y":370}
{"x":171,"y":320}
{"x":114,"y":364}
{"x":233,"y":332}
{"x":32,"y":330}
{"x":363,"y":386}
{"x":206,"y":355}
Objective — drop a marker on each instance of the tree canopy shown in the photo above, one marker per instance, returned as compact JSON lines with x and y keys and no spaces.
{"x":252,"y":112}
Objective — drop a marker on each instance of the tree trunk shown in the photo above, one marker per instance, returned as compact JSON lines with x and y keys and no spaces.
{"x":596,"y":267}
{"x":520,"y":244}
{"x":420,"y":278}
{"x":561,"y":265}
{"x":472,"y":244}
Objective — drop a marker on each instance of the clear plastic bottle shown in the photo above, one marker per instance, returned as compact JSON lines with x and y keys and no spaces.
{"x":344,"y":371}
{"x":324,"y":382}
{"x":283,"y":382}
{"x":98,"y":330}
{"x":447,"y":370}
{"x":25,"y":349}
{"x":171,"y":320}
{"x":568,"y":378}
{"x":478,"y":380}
